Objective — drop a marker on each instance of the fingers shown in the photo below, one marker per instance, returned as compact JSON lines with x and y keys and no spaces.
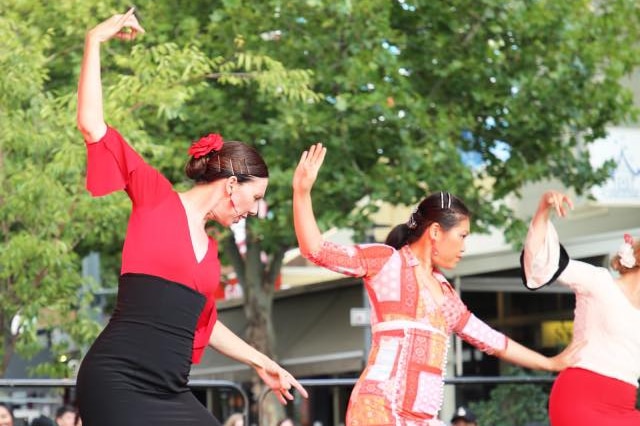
{"x":576,"y":347}
{"x":321,"y":152}
{"x":291,"y":381}
{"x":315,"y":155}
{"x":129,"y":13}
{"x":559,"y":202}
{"x":300,"y":389}
{"x":129,"y":22}
{"x":303,"y":158}
{"x":283,"y":388}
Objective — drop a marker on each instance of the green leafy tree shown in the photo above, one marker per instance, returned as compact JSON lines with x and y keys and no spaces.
{"x":411,"y":90}
{"x":403,"y":94}
{"x":519,"y":404}
{"x":47,"y":219}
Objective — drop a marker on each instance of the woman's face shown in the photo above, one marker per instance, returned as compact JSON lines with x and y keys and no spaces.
{"x":245,"y":199}
{"x":450,"y":245}
{"x":5,"y":417}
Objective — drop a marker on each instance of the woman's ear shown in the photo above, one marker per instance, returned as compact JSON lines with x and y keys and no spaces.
{"x":231,"y":182}
{"x":434,"y":230}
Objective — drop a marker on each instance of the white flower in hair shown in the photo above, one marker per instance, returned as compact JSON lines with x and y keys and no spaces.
{"x":627,"y":256}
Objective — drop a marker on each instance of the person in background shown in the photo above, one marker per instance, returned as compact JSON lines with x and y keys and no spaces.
{"x":464,"y":417}
{"x":236,"y":419}
{"x":42,"y":420}
{"x":601,"y":387}
{"x":6,"y":415}
{"x":66,"y":416}
{"x":136,"y":372}
{"x":414,"y":309}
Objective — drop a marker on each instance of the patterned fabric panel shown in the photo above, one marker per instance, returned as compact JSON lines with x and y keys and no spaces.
{"x":483,"y":337}
{"x":420,"y":367}
{"x":352,"y":260}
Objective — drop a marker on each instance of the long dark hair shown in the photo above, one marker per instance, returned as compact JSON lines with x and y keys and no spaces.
{"x":234,"y":159}
{"x":439,"y":207}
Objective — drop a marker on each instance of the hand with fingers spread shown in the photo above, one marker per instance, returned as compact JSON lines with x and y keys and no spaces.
{"x":280,"y":381}
{"x":304,"y":221}
{"x":122,"y":26}
{"x":307,"y":170}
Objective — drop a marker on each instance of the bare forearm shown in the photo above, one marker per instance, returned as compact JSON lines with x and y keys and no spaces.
{"x":525,"y":357}
{"x":304,"y":221}
{"x":538,"y":228}
{"x":229,"y":344}
{"x":90,"y":116}
{"x":541,"y":217}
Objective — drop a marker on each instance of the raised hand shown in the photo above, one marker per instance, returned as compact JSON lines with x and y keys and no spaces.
{"x":121,"y":26}
{"x":557,"y":201}
{"x":308,"y":167}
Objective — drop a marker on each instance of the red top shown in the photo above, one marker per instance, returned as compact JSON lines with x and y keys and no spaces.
{"x":158,"y":241}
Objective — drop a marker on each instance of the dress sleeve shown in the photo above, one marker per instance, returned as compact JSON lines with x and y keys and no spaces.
{"x":542,"y":259}
{"x":355,"y":260}
{"x":478,"y":333}
{"x":113,"y":165}
{"x":472,"y":329}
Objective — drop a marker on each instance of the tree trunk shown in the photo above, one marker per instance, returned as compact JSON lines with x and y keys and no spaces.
{"x":7,"y":345}
{"x":258,"y":283}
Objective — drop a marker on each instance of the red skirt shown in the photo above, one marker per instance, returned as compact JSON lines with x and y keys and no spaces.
{"x":582,"y":397}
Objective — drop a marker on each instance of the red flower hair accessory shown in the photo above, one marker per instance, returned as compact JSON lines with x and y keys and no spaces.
{"x":206,"y":144}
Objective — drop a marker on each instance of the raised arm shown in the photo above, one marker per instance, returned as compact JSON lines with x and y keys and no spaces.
{"x":304,"y":221}
{"x":90,"y":115}
{"x":543,"y":258}
{"x":550,"y":200}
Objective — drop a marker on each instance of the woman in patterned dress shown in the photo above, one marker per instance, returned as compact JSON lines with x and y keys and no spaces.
{"x":414,"y":310}
{"x":601,"y":388}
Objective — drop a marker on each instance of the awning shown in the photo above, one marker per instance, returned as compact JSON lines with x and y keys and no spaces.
{"x":313,"y":333}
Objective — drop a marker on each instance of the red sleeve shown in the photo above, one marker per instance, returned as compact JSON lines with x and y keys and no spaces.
{"x":113,"y":165}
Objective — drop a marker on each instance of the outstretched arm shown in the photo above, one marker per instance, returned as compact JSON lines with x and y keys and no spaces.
{"x":304,"y":221}
{"x":520,"y":355}
{"x":90,"y":116}
{"x":277,"y":378}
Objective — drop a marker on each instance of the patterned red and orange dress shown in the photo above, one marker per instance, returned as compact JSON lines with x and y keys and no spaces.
{"x":402,"y":383}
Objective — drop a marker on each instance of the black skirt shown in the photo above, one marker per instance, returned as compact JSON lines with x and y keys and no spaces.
{"x":136,"y":372}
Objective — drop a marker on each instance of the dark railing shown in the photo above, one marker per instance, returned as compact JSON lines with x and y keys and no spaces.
{"x":307,"y":383}
{"x":310,"y":383}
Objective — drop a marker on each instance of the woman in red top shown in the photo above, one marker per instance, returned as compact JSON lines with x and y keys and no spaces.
{"x":137,"y":370}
